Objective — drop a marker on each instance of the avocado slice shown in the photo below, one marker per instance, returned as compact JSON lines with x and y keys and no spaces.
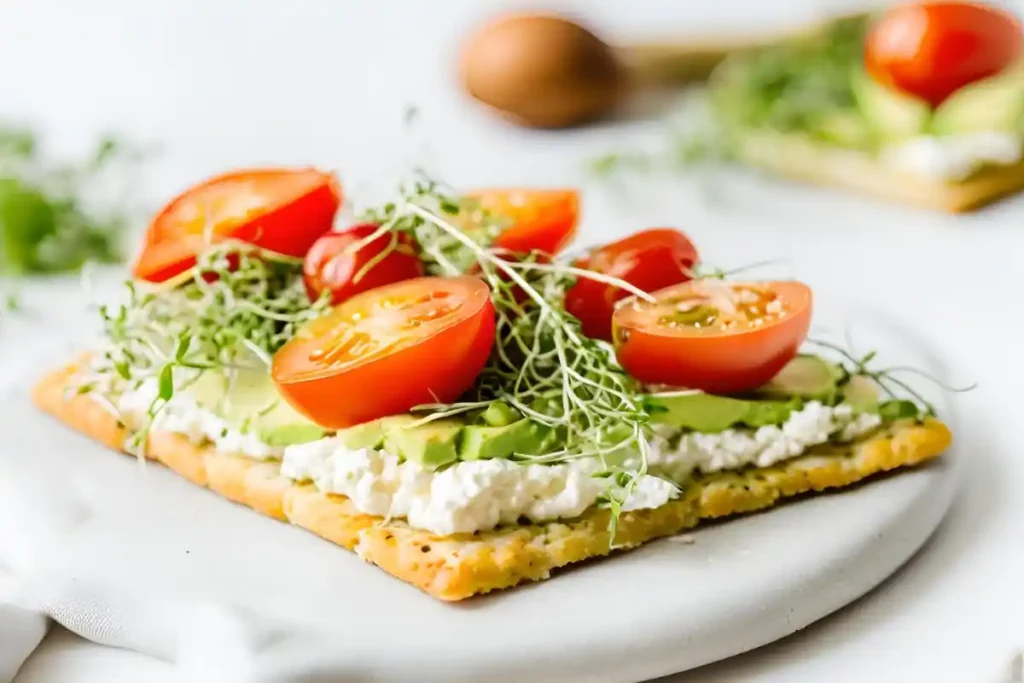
{"x":290,"y":434}
{"x":807,"y":377}
{"x":250,"y":402}
{"x":481,"y":442}
{"x":710,"y":414}
{"x":861,"y":392}
{"x":898,"y":409}
{"x":893,"y":115}
{"x":432,"y":444}
{"x":992,"y":104}
{"x":366,"y":435}
{"x":284,"y":426}
{"x":845,"y":129}
{"x":500,"y":414}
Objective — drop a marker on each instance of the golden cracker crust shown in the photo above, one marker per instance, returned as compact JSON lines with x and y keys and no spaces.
{"x":792,"y":156}
{"x":460,"y":566}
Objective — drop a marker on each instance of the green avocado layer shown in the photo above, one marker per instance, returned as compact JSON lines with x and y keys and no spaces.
{"x":251,"y":403}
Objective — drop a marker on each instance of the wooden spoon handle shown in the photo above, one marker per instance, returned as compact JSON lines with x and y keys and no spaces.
{"x":676,"y":62}
{"x":664,"y":64}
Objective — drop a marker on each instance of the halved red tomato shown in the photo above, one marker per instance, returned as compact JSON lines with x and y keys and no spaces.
{"x":329,"y":267}
{"x":387,"y":350}
{"x":932,"y":49}
{"x":649,"y":260}
{"x":278,"y":209}
{"x":542,"y":220}
{"x":717,"y":336}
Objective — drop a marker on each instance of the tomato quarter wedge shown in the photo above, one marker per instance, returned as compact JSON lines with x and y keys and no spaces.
{"x":387,"y":350}
{"x":278,"y":209}
{"x":717,"y":336}
{"x":542,"y":220}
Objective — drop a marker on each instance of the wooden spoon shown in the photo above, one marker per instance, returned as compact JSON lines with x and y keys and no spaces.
{"x":545,"y":71}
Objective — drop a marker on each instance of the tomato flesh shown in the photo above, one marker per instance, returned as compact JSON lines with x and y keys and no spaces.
{"x":541,"y":220}
{"x":716,"y":336}
{"x":649,"y":260}
{"x":931,"y":50}
{"x":281,"y":210}
{"x":331,"y":266}
{"x":388,"y":349}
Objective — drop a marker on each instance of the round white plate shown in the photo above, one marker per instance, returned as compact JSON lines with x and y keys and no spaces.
{"x":669,"y":606}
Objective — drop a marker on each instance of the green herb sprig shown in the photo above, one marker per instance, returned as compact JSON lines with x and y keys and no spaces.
{"x":887,"y":378}
{"x":568,"y":385}
{"x":803,"y":85}
{"x":50,"y":221}
{"x":237,"y":308}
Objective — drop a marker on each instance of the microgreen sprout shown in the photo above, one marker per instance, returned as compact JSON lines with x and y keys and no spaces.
{"x":886,"y":378}
{"x":570,"y":386}
{"x":239,"y":306}
{"x":708,"y":272}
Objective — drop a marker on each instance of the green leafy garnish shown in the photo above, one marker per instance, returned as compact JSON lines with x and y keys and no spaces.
{"x":47,"y":224}
{"x":794,"y":86}
{"x":803,"y":85}
{"x":887,"y":378}
{"x":542,"y":365}
{"x":693,"y":137}
{"x":237,"y":309}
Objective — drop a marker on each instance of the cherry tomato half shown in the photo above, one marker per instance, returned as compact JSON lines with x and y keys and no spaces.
{"x":650,"y":260}
{"x":542,"y":220}
{"x":278,"y":209}
{"x":932,"y":49}
{"x":387,"y":350}
{"x":329,"y":267}
{"x":716,"y":336}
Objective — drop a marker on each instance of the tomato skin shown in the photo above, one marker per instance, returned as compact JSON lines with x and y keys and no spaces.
{"x":649,"y":260}
{"x":542,"y":220}
{"x":429,"y":365}
{"x":283,"y":210}
{"x":719,"y":362}
{"x":327,"y":266}
{"x":931,"y":50}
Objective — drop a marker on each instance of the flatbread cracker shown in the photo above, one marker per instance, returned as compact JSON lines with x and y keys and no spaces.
{"x":793,"y":157}
{"x":457,"y":567}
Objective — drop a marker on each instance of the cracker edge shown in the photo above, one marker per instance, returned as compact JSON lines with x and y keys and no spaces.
{"x":792,"y":157}
{"x":453,"y":568}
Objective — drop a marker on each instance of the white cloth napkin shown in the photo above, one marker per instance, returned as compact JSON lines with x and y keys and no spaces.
{"x":208,"y":641}
{"x":21,"y":631}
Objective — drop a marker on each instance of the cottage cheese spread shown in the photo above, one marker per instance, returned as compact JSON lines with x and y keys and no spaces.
{"x":478,"y":495}
{"x":465,"y":497}
{"x":679,"y":456}
{"x":183,"y":415}
{"x":954,"y":157}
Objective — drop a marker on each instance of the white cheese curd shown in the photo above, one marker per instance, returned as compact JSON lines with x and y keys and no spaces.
{"x":478,"y":495}
{"x":812,"y":425}
{"x":465,"y":497}
{"x":182,"y":415}
{"x":650,"y":492}
{"x":954,"y":157}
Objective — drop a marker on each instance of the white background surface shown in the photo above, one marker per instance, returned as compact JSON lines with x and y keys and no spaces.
{"x":229,"y":83}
